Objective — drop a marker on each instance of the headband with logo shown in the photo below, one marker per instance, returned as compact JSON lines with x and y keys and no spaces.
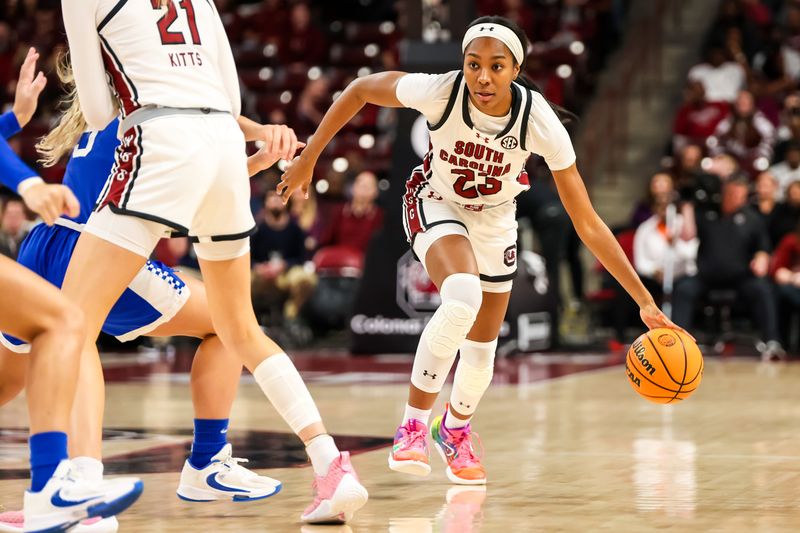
{"x":495,"y":31}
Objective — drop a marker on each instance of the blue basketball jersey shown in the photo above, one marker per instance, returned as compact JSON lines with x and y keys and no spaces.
{"x":90,"y":165}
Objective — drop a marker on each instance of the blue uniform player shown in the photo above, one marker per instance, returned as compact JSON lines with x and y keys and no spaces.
{"x":157,"y":293}
{"x":158,"y":303}
{"x":35,"y":310}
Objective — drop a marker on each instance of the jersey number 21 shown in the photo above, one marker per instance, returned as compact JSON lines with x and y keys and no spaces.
{"x":176,"y":37}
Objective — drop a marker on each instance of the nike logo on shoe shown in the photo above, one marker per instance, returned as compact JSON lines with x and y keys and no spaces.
{"x":214,"y":484}
{"x":58,"y":501}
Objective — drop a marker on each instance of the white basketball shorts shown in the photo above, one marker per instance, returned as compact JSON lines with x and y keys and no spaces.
{"x":492,"y":230}
{"x":185,"y":172}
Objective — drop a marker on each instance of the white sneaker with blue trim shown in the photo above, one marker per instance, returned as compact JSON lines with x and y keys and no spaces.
{"x":67,"y":499}
{"x":224,"y":479}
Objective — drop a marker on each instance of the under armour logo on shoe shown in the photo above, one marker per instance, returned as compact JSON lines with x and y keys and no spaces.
{"x":426,"y":373}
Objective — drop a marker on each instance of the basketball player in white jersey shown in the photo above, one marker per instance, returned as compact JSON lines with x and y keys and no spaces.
{"x":181,"y":166}
{"x":484,"y":122}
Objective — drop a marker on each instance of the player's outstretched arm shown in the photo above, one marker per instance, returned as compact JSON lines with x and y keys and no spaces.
{"x":599,"y":239}
{"x":378,"y":89}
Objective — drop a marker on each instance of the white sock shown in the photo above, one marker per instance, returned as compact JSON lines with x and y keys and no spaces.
{"x":322,"y":451}
{"x":90,"y":468}
{"x":423,"y":415}
{"x":284,"y":388}
{"x":451,"y":422}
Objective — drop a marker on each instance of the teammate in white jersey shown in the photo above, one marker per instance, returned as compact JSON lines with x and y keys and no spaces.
{"x":181,"y":166}
{"x":484,"y":122}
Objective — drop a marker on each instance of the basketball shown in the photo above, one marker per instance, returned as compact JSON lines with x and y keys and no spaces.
{"x":664,"y":365}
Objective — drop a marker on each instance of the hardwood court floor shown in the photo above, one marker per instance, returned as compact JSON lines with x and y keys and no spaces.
{"x":577,"y":453}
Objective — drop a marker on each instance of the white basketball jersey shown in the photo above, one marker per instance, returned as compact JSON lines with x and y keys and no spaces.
{"x":166,"y":56}
{"x":470,"y":167}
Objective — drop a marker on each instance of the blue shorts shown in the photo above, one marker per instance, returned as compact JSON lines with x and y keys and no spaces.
{"x":154,"y":296}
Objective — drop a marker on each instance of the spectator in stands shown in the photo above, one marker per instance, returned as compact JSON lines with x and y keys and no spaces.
{"x":787,"y":170}
{"x":687,"y":164}
{"x":302,"y":44}
{"x":785,"y":272}
{"x":697,"y":118}
{"x":661,"y":189}
{"x":314,"y":100}
{"x":786,"y":214}
{"x":278,"y":255}
{"x":722,"y":79}
{"x":733,"y":254}
{"x":746,"y":134}
{"x":304,"y":212}
{"x":356,"y":221}
{"x":701,"y":183}
{"x":13,"y":227}
{"x":766,"y":197}
{"x":789,"y":126}
{"x":655,"y":243}
{"x":778,"y":63}
{"x":733,"y":27}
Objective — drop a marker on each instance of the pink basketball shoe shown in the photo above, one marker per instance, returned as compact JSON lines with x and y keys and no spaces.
{"x":337,"y":495}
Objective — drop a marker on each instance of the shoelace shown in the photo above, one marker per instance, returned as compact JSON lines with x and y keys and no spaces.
{"x":415,"y":438}
{"x":465,"y":452}
{"x":231,"y":463}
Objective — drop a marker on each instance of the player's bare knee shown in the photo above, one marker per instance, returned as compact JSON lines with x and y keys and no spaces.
{"x":62,"y":318}
{"x":71,"y":321}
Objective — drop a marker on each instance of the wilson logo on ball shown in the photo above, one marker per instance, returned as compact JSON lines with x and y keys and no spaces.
{"x":632,"y":376}
{"x":638,"y":349}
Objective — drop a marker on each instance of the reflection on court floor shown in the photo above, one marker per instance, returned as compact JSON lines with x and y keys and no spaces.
{"x":568,"y":447}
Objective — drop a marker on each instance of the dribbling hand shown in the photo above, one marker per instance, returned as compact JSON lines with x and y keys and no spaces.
{"x":28,"y":88}
{"x":654,"y":318}
{"x":51,"y":201}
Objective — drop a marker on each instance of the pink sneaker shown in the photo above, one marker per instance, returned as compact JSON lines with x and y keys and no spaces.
{"x":337,"y":495}
{"x":13,"y":522}
{"x":455,"y":446}
{"x":410,"y":451}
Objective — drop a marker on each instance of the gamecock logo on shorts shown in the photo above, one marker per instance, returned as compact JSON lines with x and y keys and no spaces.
{"x":510,"y":255}
{"x":509,"y":142}
{"x":416,"y":293}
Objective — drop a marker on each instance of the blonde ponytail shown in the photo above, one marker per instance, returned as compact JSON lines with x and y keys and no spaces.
{"x":71,"y":124}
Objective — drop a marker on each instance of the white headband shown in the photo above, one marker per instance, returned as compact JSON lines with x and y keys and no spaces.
{"x":496,"y":31}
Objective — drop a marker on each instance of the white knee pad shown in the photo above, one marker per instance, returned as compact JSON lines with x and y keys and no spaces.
{"x":473,"y":375}
{"x":446,"y":330}
{"x":461,"y":299}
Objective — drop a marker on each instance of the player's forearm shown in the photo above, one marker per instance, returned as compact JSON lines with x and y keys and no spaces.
{"x":87,"y":64}
{"x":250,"y":128}
{"x":13,"y":171}
{"x":602,"y":243}
{"x":340,"y":113}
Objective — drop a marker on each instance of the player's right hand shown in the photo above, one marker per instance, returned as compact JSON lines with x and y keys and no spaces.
{"x":297,"y":176}
{"x":28,"y":88}
{"x":51,"y":201}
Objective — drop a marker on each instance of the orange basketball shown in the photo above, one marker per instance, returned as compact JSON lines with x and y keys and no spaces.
{"x":664,"y":365}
